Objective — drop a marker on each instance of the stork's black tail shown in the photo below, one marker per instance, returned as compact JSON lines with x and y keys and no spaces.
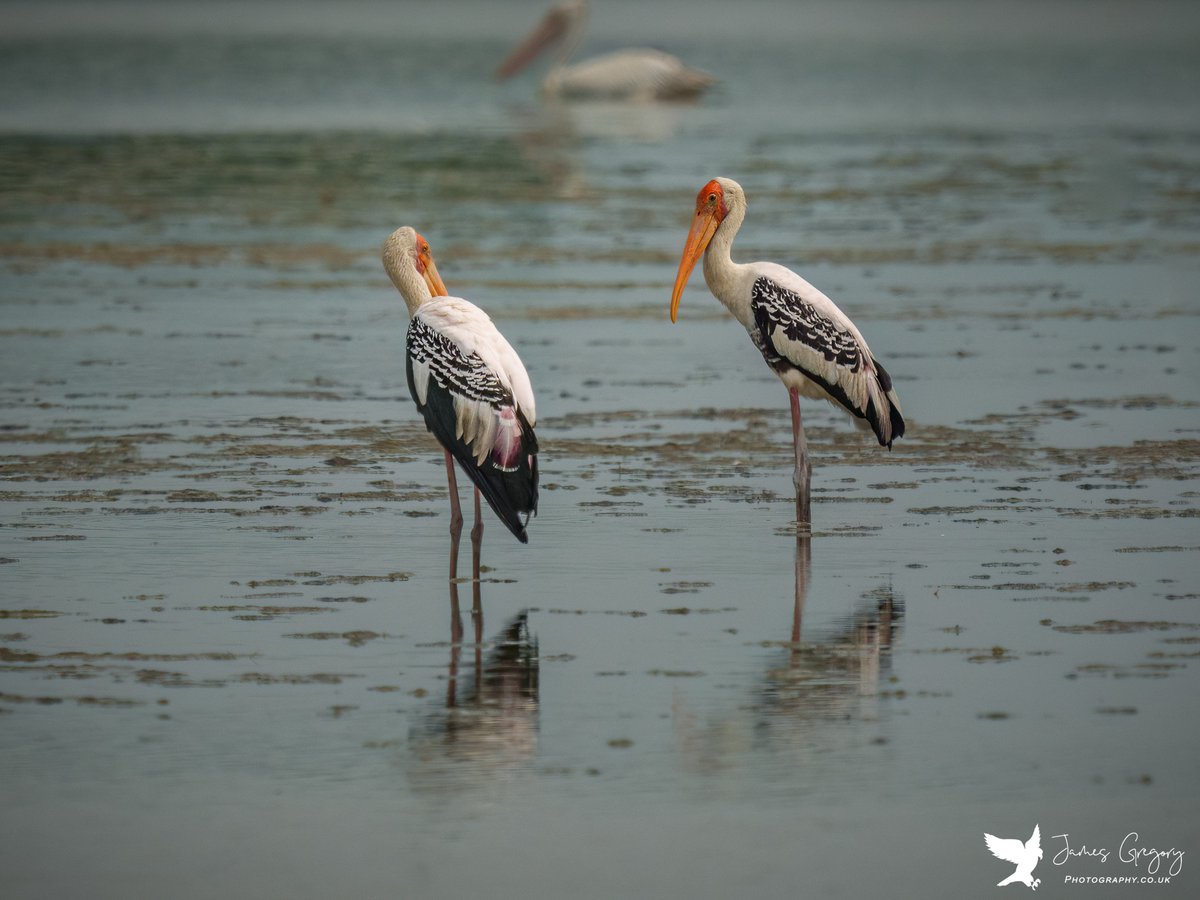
{"x":510,"y":492}
{"x":887,"y":422}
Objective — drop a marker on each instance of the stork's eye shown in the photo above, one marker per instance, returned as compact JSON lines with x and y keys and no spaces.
{"x":712,"y":198}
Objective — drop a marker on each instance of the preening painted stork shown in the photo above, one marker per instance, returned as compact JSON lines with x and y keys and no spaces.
{"x":472,"y":389}
{"x":810,"y":344}
{"x":633,"y":74}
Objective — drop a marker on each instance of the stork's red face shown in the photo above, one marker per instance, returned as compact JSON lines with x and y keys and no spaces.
{"x":710,"y":213}
{"x":428,"y":270}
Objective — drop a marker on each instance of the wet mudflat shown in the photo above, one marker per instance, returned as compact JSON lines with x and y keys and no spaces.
{"x":230,"y":657}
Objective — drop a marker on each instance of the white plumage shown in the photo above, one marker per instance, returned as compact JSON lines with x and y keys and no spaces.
{"x":635,"y":74}
{"x":474,"y":335}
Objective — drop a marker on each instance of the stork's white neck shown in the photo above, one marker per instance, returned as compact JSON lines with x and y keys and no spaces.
{"x":723,"y":276}
{"x":402,"y":269}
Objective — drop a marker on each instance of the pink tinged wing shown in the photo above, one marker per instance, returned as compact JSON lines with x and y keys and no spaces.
{"x":506,"y":446}
{"x":490,"y":426}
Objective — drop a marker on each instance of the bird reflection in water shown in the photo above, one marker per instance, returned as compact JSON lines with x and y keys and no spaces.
{"x":811,"y":694}
{"x":838,"y":674}
{"x":559,"y":143}
{"x":487,"y":728}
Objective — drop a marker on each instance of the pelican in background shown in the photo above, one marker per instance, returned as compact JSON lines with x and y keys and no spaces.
{"x":810,"y":344}
{"x":473,"y":391}
{"x":635,"y":74}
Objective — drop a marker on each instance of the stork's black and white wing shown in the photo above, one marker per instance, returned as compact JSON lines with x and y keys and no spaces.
{"x":802,"y":332}
{"x":475,"y":395}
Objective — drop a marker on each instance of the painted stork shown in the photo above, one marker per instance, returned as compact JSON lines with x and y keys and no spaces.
{"x":634,"y":74}
{"x":810,"y":344}
{"x":472,"y":389}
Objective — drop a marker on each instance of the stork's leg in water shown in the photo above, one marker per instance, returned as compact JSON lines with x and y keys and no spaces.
{"x":456,"y":636}
{"x":476,"y":602}
{"x":476,"y":539}
{"x":803,"y":474}
{"x":803,"y":571}
{"x":456,"y":519}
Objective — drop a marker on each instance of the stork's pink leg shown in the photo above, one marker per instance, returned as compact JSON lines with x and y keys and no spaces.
{"x":456,"y":519}
{"x":803,"y":474}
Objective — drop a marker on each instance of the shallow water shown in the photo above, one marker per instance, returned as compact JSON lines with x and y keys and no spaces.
{"x":230,"y":659}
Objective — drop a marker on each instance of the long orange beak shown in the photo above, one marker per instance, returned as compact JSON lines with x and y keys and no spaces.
{"x":430,"y":273}
{"x":704,"y":226}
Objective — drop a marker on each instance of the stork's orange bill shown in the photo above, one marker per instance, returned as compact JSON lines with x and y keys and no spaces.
{"x":428,"y":269}
{"x":710,"y":211}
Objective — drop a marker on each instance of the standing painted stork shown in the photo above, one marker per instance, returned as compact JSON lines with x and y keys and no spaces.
{"x":472,"y":389}
{"x":810,"y":344}
{"x":635,"y":74}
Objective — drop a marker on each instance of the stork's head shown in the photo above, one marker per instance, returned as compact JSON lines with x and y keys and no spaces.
{"x":713,"y":205}
{"x":563,"y":23}
{"x":409,"y":263}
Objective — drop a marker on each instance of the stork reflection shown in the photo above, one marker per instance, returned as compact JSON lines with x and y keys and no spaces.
{"x":839,"y":672}
{"x":818,"y":693}
{"x":486,"y":726}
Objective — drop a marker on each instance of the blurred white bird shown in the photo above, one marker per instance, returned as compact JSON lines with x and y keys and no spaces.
{"x":638,"y":74}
